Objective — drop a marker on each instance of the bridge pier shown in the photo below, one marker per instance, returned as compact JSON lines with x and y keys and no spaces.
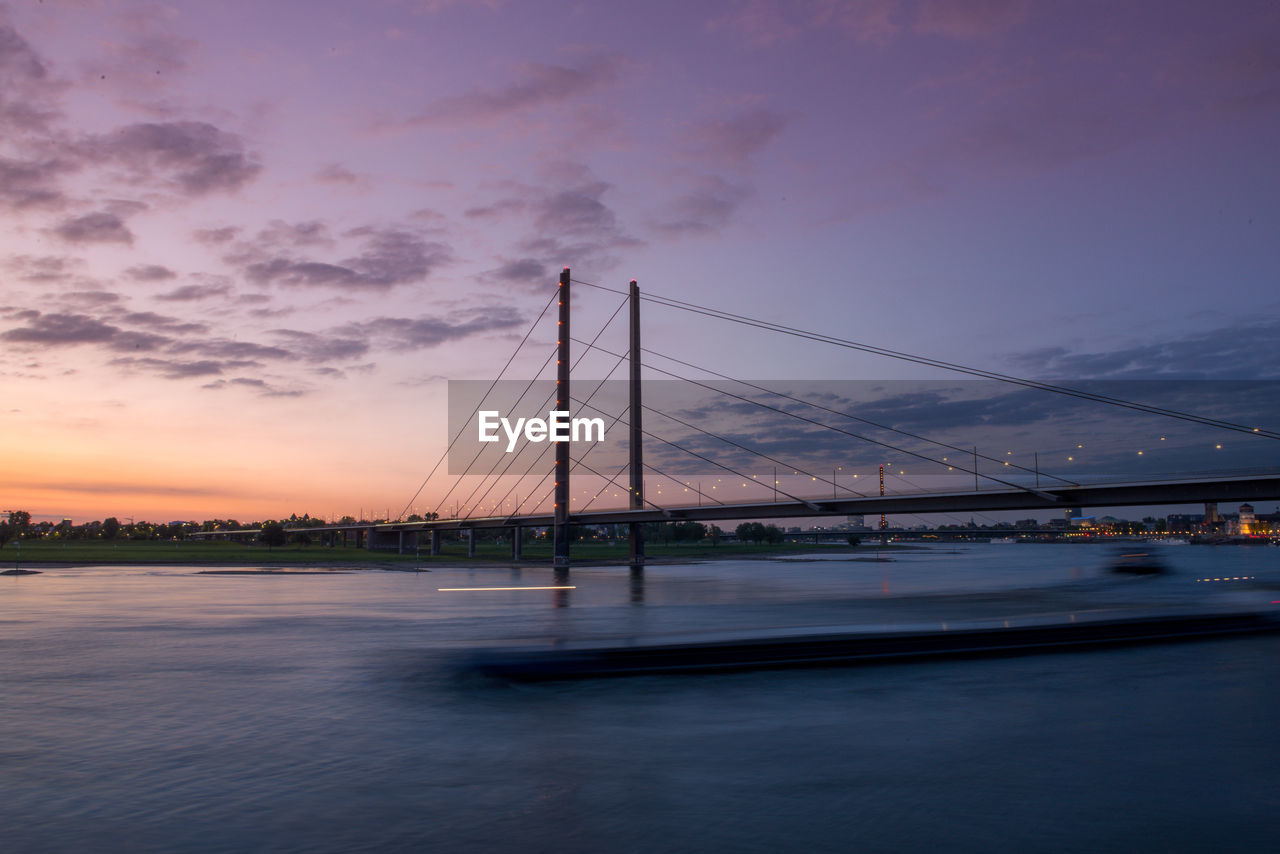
{"x":435,"y":542}
{"x":400,"y":544}
{"x":517,"y":544}
{"x":471,"y":542}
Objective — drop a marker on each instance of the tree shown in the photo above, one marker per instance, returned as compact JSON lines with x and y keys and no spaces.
{"x":654,"y":531}
{"x":688,"y":531}
{"x":272,"y":534}
{"x":855,"y":540}
{"x":110,"y":528}
{"x":19,"y":520}
{"x":756,"y":532}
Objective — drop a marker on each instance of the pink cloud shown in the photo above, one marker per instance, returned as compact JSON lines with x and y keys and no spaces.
{"x":738,"y":136}
{"x":538,"y":86}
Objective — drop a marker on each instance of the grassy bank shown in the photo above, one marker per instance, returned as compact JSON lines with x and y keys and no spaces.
{"x":205,"y":553}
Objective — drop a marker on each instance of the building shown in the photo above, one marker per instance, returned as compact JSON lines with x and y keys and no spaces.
{"x":1246,"y":521}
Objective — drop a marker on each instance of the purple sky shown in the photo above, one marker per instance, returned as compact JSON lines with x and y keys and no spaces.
{"x":244,"y":244}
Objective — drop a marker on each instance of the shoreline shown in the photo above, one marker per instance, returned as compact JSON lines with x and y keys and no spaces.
{"x":213,"y":556}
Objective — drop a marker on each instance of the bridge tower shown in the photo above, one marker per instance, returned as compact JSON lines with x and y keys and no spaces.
{"x":635,"y":445}
{"x":563,"y":404}
{"x":884,"y":523}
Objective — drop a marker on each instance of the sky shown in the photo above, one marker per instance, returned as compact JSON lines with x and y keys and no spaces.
{"x":245,"y":246}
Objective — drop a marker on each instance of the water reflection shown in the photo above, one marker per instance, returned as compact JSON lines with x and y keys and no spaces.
{"x":637,"y":584}
{"x":560,"y":598}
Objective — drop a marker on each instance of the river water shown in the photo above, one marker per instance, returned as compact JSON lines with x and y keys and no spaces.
{"x":162,"y":709}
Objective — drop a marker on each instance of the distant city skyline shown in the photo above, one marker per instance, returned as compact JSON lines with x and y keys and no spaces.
{"x":243,"y":246}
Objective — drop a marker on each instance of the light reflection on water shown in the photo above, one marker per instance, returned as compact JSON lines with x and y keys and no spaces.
{"x":162,"y":709}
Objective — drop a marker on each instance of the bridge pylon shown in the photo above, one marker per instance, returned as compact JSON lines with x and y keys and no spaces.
{"x":636,"y":443}
{"x":560,"y":526}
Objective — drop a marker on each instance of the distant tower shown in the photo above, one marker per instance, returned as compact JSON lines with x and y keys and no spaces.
{"x":1247,"y":519}
{"x":1211,"y":516}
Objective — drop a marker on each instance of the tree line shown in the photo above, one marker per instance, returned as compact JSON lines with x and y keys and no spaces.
{"x":19,"y":526}
{"x":275,"y":532}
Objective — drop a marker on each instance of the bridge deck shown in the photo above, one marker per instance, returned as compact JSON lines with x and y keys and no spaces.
{"x":1186,"y":491}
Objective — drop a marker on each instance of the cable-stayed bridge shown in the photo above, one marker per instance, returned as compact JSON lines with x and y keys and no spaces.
{"x":1002,"y":486}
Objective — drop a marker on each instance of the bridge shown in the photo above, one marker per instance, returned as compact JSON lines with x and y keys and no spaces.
{"x":1012,"y":488}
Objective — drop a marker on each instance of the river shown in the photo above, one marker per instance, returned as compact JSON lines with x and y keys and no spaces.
{"x":165,"y":709}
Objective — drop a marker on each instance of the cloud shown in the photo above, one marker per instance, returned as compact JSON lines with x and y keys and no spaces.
{"x":390,"y":257}
{"x":969,"y":19}
{"x":119,"y":488}
{"x":131,"y":332}
{"x":577,"y":210}
{"x":703,"y":210}
{"x":400,"y":333}
{"x":584,"y":254}
{"x":98,"y":227}
{"x":150,"y":273}
{"x":32,"y":183}
{"x":132,"y":340}
{"x":539,"y":86}
{"x":572,"y":208}
{"x":338,"y":174}
{"x":325,"y":347}
{"x":426,"y":215}
{"x":310,"y":233}
{"x":738,"y":136}
{"x":67,"y":329}
{"x":500,"y":208}
{"x":28,"y":91}
{"x":93,"y":299}
{"x":523,"y":270}
{"x":196,"y":158}
{"x":225,"y":349}
{"x":172,"y":369}
{"x":163,"y":323}
{"x":61,"y":330}
{"x":261,"y":386}
{"x":191,"y":293}
{"x":147,"y":62}
{"x":1245,"y":351}
{"x":216,"y":236}
{"x":43,"y":268}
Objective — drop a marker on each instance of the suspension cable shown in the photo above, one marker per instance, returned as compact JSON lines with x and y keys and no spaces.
{"x":808,"y":420}
{"x":545,"y":402}
{"x":853,"y":417}
{"x":949,"y":366}
{"x":443,"y":456}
